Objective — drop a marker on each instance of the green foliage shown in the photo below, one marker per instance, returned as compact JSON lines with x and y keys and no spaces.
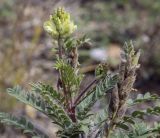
{"x":49,"y":108}
{"x":70,"y":132}
{"x":70,"y":78}
{"x":149,"y":111}
{"x":70,"y":108}
{"x":96,"y":94}
{"x":20,"y":123}
{"x":100,"y":117}
{"x":138,"y":130}
{"x":71,"y":42}
{"x":59,"y":116}
{"x":47,"y":92}
{"x":28,"y":98}
{"x":142,"y":98}
{"x":133,"y":124}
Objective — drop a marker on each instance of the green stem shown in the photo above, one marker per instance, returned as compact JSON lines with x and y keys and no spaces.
{"x":68,"y":99}
{"x":111,"y":124}
{"x":60,"y":47}
{"x":60,"y":81}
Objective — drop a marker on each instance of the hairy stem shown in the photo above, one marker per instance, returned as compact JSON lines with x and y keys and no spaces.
{"x":60,"y":82}
{"x":112,"y":125}
{"x":60,"y":47}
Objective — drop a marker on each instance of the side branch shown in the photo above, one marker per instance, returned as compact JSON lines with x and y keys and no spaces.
{"x":84,"y":91}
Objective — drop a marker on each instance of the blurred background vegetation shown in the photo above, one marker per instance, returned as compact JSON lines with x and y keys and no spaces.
{"x":25,"y":50}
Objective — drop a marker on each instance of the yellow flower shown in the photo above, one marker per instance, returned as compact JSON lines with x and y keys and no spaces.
{"x":59,"y":24}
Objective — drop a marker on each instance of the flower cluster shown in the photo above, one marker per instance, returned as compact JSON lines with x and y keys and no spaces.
{"x":59,"y":24}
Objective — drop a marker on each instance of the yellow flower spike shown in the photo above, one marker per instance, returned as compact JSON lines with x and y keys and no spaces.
{"x":59,"y":24}
{"x":51,"y":29}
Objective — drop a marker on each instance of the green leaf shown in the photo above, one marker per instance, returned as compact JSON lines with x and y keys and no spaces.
{"x":99,"y":117}
{"x":137,"y":130}
{"x":55,"y":101}
{"x":138,"y":114}
{"x":122,"y":125}
{"x":96,"y":94}
{"x":147,"y":95}
{"x":70,"y":77}
{"x":149,"y":111}
{"x":119,"y":134}
{"x":129,"y":119}
{"x":71,"y":42}
{"x":140,"y":99}
{"x":29,"y":98}
{"x":48,"y":92}
{"x":59,"y":116}
{"x":20,"y":123}
{"x":50,"y":108}
{"x":141,"y":130}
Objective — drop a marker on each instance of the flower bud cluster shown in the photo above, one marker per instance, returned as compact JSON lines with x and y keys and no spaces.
{"x":60,"y":24}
